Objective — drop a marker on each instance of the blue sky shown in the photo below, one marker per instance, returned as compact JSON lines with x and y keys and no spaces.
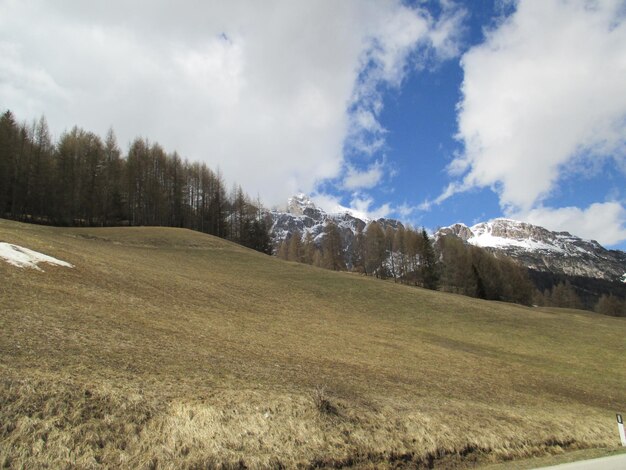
{"x":432,"y":112}
{"x":421,"y":117}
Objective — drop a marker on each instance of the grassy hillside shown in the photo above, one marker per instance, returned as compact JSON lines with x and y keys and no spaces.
{"x":167,"y":348}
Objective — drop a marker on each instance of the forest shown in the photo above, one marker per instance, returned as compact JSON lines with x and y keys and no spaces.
{"x":412,"y":257}
{"x":86,"y":180}
{"x":409,"y":256}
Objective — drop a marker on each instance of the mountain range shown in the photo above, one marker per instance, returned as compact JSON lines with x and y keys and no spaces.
{"x":537,"y":248}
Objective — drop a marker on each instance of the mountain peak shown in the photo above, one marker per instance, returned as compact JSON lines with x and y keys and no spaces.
{"x":540,"y":249}
{"x":297,"y":204}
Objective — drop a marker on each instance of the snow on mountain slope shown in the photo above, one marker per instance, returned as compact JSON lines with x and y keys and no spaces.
{"x":541,"y":249}
{"x":531,"y":245}
{"x":304,"y":216}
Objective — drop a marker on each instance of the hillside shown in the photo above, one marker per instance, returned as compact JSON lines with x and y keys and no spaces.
{"x":168,"y":348}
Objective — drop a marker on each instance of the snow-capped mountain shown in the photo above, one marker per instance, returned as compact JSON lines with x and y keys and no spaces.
{"x":532,"y":246}
{"x":543,"y":250}
{"x":304,"y":216}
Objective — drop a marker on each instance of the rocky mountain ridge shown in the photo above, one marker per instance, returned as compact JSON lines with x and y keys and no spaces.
{"x":304,"y":216}
{"x":532,"y":246}
{"x":543,"y":250}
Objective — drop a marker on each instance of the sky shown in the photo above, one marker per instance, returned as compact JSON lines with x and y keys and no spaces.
{"x":431,"y":112}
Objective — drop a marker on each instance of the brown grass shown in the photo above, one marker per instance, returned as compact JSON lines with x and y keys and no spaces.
{"x":166,"y":348}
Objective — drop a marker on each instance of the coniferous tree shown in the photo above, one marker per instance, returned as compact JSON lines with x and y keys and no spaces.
{"x":112,"y":200}
{"x":389,"y":238}
{"x":309,"y":249}
{"x":9,"y":138}
{"x":283,"y":250}
{"x":428,"y":263}
{"x":611,"y":305}
{"x":295,"y":252}
{"x":564,"y":295}
{"x":399,"y":248}
{"x":318,"y":260}
{"x":332,"y":251}
{"x":358,"y":252}
{"x":375,"y":252}
{"x":412,"y":250}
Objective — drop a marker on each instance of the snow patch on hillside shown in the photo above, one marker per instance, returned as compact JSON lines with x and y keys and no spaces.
{"x":24,"y":258}
{"x":624,"y":278}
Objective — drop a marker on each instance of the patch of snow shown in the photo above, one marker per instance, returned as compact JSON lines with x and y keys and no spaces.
{"x":483,"y":237}
{"x":624,"y":278}
{"x":24,"y":258}
{"x":486,"y":239}
{"x":582,"y":250}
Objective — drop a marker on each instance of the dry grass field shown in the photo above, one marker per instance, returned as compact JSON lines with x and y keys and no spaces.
{"x":167,"y":348}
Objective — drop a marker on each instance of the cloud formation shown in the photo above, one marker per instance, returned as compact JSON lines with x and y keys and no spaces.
{"x":269,"y":92}
{"x":544,"y":92}
{"x":360,"y":206}
{"x":365,"y":179}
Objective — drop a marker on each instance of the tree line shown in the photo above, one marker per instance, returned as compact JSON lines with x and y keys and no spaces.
{"x":412,"y":257}
{"x":565,"y":295}
{"x":84,"y":180}
{"x":404,"y":255}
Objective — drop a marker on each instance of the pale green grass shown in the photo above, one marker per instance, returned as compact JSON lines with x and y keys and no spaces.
{"x":170,"y":348}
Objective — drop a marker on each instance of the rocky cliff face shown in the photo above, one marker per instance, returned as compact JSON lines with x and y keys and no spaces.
{"x":543,"y":250}
{"x":302,"y":215}
{"x":532,"y":246}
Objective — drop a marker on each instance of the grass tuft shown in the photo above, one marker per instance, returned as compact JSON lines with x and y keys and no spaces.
{"x":322,"y":402}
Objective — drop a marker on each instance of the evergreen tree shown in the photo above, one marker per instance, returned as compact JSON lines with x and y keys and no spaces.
{"x":428,"y":263}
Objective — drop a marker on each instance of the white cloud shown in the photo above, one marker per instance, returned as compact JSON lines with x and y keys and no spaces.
{"x":447,"y":31}
{"x":360,"y":206}
{"x":546,"y":89}
{"x":604,"y":222}
{"x":266,"y":91}
{"x":367,"y":179}
{"x":453,"y":188}
{"x":365,"y":205}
